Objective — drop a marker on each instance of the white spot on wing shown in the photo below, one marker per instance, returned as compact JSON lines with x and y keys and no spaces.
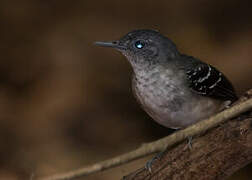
{"x":212,"y":86}
{"x":207,"y":76}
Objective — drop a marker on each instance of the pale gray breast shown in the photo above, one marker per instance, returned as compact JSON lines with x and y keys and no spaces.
{"x":167,"y":99}
{"x":159,"y":91}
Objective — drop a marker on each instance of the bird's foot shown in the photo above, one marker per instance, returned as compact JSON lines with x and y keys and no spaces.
{"x":189,"y":143}
{"x":225,"y":105}
{"x":150,"y":162}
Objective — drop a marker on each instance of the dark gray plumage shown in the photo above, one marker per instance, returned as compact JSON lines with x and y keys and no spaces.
{"x":174,"y":89}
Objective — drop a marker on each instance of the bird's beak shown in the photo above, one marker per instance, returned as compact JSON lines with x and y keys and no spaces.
{"x":113,"y":44}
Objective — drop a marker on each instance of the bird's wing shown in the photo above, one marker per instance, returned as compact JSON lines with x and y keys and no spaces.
{"x":204,"y":79}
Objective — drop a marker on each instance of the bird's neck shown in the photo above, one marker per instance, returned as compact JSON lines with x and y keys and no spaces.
{"x":143,"y":74}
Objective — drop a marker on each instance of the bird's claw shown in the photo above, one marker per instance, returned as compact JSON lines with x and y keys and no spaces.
{"x":150,"y":162}
{"x":189,"y":144}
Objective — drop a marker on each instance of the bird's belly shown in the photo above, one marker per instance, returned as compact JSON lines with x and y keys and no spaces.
{"x":175,"y":108}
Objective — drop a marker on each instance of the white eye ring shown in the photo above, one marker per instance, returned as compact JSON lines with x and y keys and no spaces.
{"x":139,"y":44}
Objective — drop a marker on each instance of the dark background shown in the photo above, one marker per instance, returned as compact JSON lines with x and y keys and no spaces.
{"x":65,"y":103}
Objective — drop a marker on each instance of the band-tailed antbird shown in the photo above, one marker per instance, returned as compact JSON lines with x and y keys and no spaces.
{"x":176,"y":90}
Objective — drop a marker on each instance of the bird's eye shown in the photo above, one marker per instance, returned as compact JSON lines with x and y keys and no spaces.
{"x":139,"y":44}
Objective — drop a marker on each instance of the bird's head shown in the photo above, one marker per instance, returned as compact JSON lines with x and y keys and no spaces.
{"x":144,"y":48}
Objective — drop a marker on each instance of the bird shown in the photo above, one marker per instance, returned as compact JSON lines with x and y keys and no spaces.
{"x":175,"y":89}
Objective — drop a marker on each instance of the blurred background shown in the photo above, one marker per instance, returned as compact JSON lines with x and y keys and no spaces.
{"x":65,"y":103}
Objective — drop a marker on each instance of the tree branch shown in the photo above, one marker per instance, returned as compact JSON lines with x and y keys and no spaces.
{"x":161,"y":144}
{"x":215,"y":155}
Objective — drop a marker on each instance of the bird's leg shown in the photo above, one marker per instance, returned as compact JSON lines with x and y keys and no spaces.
{"x":225,"y":105}
{"x":149,"y":163}
{"x":159,"y":155}
{"x":189,"y":144}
